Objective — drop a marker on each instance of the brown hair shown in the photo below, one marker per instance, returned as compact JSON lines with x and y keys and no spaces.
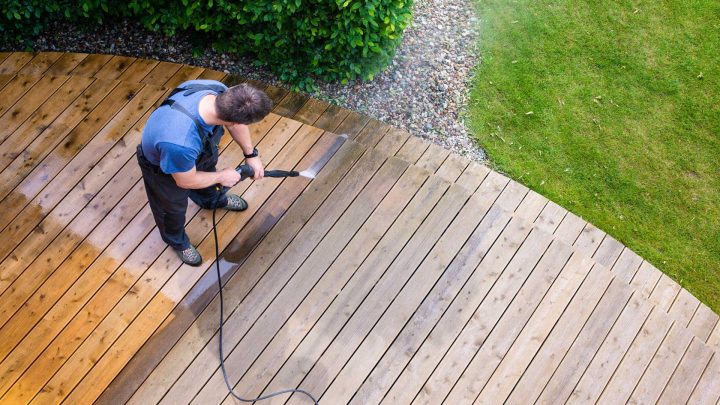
{"x":243,"y":104}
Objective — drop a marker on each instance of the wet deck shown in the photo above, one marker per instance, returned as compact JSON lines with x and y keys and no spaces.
{"x":400,"y":274}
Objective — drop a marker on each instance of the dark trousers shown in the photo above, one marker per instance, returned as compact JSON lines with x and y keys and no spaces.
{"x":168,"y":202}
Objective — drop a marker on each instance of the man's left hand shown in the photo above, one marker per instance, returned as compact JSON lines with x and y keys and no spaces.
{"x":257,"y":167}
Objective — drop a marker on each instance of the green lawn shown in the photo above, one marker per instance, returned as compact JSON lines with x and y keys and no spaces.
{"x":612,"y":109}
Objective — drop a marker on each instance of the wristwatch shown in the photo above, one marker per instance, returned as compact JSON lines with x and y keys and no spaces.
{"x":252,"y":155}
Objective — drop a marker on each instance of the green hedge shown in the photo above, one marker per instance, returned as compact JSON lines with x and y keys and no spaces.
{"x":297,"y":39}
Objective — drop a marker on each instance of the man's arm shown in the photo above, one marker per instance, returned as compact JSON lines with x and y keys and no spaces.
{"x":241,"y":134}
{"x":193,"y":179}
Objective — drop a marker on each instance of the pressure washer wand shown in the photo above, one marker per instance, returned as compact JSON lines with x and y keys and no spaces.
{"x":247,"y":172}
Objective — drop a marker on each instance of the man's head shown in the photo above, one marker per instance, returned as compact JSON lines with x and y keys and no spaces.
{"x":243,"y":104}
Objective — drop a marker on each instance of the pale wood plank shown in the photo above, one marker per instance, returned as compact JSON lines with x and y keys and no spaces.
{"x":513,"y":196}
{"x":707,"y":390}
{"x":589,"y":239}
{"x":637,"y":358}
{"x":587,"y":343}
{"x":684,"y":307}
{"x":714,"y":339}
{"x":527,"y":344}
{"x":611,"y":352}
{"x":703,"y":322}
{"x":661,"y":367}
{"x":392,"y":142}
{"x":409,"y":257}
{"x":419,"y":307}
{"x":382,"y":296}
{"x":413,"y":148}
{"x":550,"y":217}
{"x":433,"y":158}
{"x":531,"y":207}
{"x":603,"y":303}
{"x":608,"y":251}
{"x":473,"y":175}
{"x":372,"y":133}
{"x":645,"y":279}
{"x":570,"y":228}
{"x":496,"y":282}
{"x":627,"y":265}
{"x":687,"y":374}
{"x":665,"y":293}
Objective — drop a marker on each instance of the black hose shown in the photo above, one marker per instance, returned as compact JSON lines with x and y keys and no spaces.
{"x":220,"y":343}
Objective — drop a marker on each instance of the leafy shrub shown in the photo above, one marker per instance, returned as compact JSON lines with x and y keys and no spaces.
{"x":298,"y":39}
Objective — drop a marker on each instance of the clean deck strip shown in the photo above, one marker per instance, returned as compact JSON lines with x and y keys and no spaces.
{"x":401,"y":274}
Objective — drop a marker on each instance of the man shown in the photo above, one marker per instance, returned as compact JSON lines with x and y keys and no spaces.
{"x":179,"y":151}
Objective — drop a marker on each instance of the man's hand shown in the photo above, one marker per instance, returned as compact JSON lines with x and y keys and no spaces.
{"x":257,"y":167}
{"x":228,"y":177}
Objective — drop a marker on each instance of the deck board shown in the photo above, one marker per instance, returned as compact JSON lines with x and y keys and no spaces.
{"x":401,"y":274}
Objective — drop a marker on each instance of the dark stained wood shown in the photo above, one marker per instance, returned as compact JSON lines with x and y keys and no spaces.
{"x":352,"y":124}
{"x":115,"y":68}
{"x":90,"y":65}
{"x":311,"y":111}
{"x":290,"y":104}
{"x":331,"y":118}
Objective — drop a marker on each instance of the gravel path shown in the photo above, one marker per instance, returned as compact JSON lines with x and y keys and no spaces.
{"x":424,"y":90}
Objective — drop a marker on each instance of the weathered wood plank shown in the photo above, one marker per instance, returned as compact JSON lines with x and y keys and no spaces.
{"x":452,"y":168}
{"x":362,"y":280}
{"x":433,"y":158}
{"x":331,"y":118}
{"x":661,"y":367}
{"x":531,"y":206}
{"x":352,"y":124}
{"x":584,"y":348}
{"x":527,"y":344}
{"x":589,"y":239}
{"x":372,"y":133}
{"x":707,"y":390}
{"x":611,"y":352}
{"x":703,"y":322}
{"x":684,"y":307}
{"x":608,"y":251}
{"x":550,"y":217}
{"x":627,"y":265}
{"x":665,"y":292}
{"x":460,"y":332}
{"x":687,"y":374}
{"x":637,"y":358}
{"x":311,"y":111}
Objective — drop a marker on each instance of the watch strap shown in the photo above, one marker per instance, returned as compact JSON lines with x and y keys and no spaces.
{"x":252,"y":155}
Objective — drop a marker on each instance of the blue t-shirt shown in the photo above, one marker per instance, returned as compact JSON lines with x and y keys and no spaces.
{"x":170,"y":138}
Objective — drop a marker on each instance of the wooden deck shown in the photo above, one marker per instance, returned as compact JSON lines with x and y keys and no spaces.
{"x":401,"y":274}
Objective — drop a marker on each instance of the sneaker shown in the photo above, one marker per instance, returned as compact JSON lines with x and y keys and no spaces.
{"x":236,"y":203}
{"x":190,"y":256}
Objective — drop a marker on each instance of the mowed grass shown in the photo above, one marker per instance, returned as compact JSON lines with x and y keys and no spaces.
{"x":612,"y":109}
